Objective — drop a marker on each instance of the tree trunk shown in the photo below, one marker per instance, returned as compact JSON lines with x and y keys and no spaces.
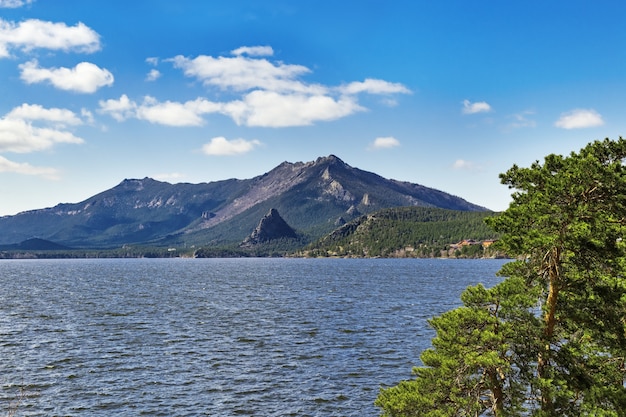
{"x":497,"y":393}
{"x":552,"y":269}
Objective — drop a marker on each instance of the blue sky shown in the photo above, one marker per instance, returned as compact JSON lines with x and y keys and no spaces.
{"x":447,"y":94}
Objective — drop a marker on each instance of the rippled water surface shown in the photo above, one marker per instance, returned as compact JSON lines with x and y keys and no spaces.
{"x":218,"y":337}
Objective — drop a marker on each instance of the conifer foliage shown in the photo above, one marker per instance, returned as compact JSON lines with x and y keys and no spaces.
{"x":550,"y":339}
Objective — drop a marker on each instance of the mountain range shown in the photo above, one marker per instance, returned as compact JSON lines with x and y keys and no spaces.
{"x":313,"y":198}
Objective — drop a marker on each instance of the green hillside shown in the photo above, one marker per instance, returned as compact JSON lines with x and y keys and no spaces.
{"x":407,"y":232}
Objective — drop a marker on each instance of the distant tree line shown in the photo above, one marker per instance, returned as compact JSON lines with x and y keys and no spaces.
{"x":408,"y":232}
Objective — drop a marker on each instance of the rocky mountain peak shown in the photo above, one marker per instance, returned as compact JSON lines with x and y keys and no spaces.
{"x":329,"y":160}
{"x":136,"y":184}
{"x":272,"y":226}
{"x":315,"y":193}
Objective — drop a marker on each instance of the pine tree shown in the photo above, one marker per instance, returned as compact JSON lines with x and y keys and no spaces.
{"x":558,"y":347}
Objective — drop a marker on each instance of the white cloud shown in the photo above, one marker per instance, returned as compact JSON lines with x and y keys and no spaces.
{"x":258,"y":108}
{"x":168,"y":113}
{"x":87,"y":116}
{"x":57,"y":116}
{"x":20,"y":136}
{"x":241,"y":73}
{"x":153,"y":75}
{"x":120,"y":110}
{"x":14,"y":4}
{"x":27,"y":169}
{"x":461,"y":164}
{"x":579,"y":118}
{"x":478,"y":107}
{"x":384,"y":143}
{"x":30,"y":128}
{"x":264,"y":93}
{"x":253,"y":51}
{"x":220,"y":146}
{"x":83,"y":78}
{"x":374,"y":86}
{"x":272,"y":109}
{"x":171,"y":113}
{"x":32,"y":34}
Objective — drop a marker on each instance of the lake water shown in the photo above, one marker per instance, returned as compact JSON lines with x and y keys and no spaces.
{"x":218,"y":337}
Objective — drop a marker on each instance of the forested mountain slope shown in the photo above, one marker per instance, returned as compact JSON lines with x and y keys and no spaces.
{"x":406,"y":231}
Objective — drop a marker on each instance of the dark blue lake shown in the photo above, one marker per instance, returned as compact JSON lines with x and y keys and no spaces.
{"x":218,"y":337}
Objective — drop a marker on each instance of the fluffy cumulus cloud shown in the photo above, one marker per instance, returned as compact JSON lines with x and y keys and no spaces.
{"x":263,"y":93}
{"x":477,"y":107}
{"x":241,"y":73}
{"x":220,"y":146}
{"x":59,"y":117}
{"x":120,"y":109}
{"x":83,"y":78}
{"x":384,"y":143}
{"x":273,"y":109}
{"x":258,"y":108}
{"x":175,"y":114}
{"x":31,"y":128}
{"x":153,"y":75}
{"x":20,"y":136}
{"x":38,"y":34}
{"x":579,"y":119}
{"x":168,"y":113}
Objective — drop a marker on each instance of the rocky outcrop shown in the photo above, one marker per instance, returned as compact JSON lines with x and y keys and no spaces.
{"x":271,"y":227}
